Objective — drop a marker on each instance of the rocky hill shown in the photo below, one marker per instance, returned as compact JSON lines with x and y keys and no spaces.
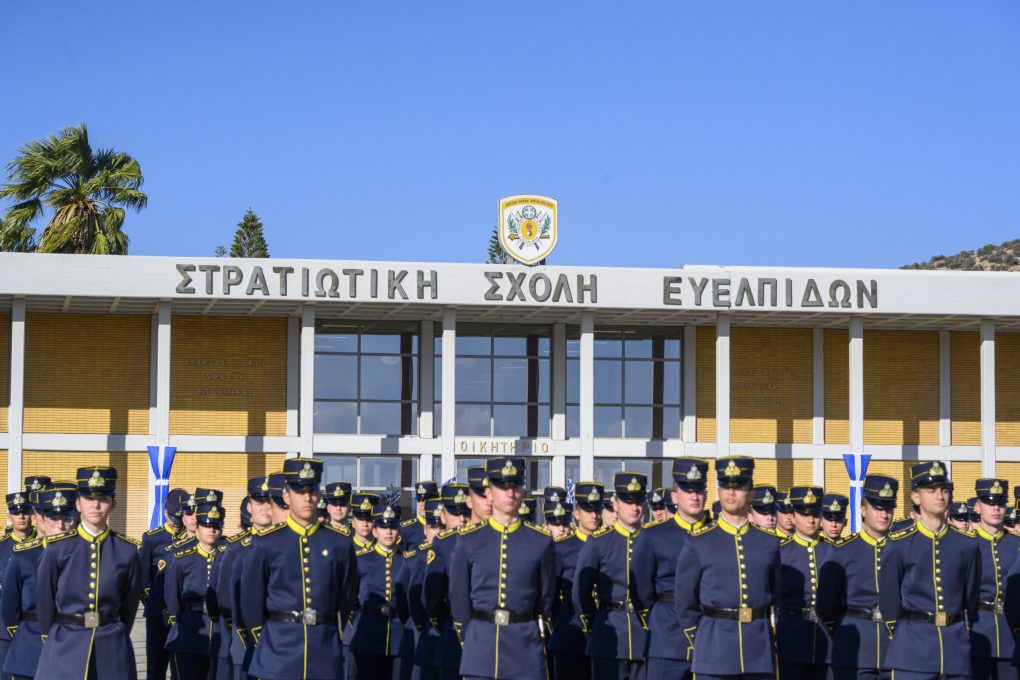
{"x":1004,"y":257}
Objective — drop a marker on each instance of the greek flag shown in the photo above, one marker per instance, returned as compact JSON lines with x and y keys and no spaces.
{"x":161,"y":459}
{"x":857,"y":467}
{"x":570,"y":491}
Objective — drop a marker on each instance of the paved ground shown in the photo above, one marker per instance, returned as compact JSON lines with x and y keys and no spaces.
{"x":138,"y":638}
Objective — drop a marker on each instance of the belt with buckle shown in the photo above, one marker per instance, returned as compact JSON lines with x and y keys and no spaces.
{"x":625,"y":606}
{"x":994,"y":607}
{"x":502,"y":617}
{"x":198,"y":607}
{"x":873,"y":614}
{"x":666,"y":596}
{"x":806,"y":613}
{"x":88,"y":619}
{"x":940,"y":619}
{"x":307,"y":617}
{"x":384,"y":610}
{"x":741,"y":614}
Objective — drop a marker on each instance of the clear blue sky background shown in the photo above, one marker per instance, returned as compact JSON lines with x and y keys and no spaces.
{"x":766,"y":133}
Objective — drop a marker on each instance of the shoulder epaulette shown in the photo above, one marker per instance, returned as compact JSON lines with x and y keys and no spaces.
{"x":409,"y":522}
{"x":4,"y":537}
{"x":468,"y":528}
{"x":246,"y":541}
{"x":28,"y":545}
{"x":654,"y":523}
{"x":60,"y":537}
{"x":133,"y":541}
{"x":364,"y":551}
{"x":849,"y":539}
{"x":221,"y":548}
{"x":785,"y":541}
{"x":153,"y":532}
{"x":903,"y":533}
{"x":535,"y":527}
{"x":343,"y":531}
{"x":408,"y":554}
{"x":703,"y":529}
{"x":425,"y":546}
{"x":601,"y":531}
{"x":841,"y":541}
{"x":275,"y":527}
{"x":770,"y":532}
{"x":969,"y":534}
{"x":446,"y":533}
{"x":237,"y":537}
{"x":184,"y":553}
{"x":564,"y":537}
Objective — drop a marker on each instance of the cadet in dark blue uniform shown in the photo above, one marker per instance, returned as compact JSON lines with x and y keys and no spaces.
{"x":478,"y":503}
{"x":959,"y":515}
{"x":412,"y":532}
{"x":849,"y":588}
{"x":910,"y":519}
{"x":380,"y":641}
{"x":834,"y":506}
{"x":929,"y":586}
{"x":35,"y":483}
{"x":19,"y":512}
{"x":502,"y":584}
{"x":567,"y":643}
{"x":653,"y":571}
{"x":784,"y":514}
{"x":763,"y":507}
{"x":152,"y":552}
{"x":89,"y":588}
{"x":412,"y":579}
{"x":727,"y":581}
{"x":299,"y":578}
{"x":602,"y":583}
{"x":435,"y":589}
{"x":556,"y":511}
{"x":802,"y":640}
{"x":529,"y":510}
{"x":362,"y":506}
{"x":657,"y":499}
{"x":1009,"y":521}
{"x":54,"y":508}
{"x":973,"y":516}
{"x":191,"y":601}
{"x":991,"y":637}
{"x":338,"y":503}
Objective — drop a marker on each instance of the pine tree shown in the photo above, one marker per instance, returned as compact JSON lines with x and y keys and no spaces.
{"x":495,"y":250}
{"x":220,"y":251}
{"x":249,"y":240}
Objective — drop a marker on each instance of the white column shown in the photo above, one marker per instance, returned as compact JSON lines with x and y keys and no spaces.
{"x":558,"y":384}
{"x":818,"y":471}
{"x":689,"y":426}
{"x":306,"y":413}
{"x":159,"y":389}
{"x":448,"y":452}
{"x":426,"y":392}
{"x":293,"y":376}
{"x":856,"y":385}
{"x":722,"y":385}
{"x":16,"y":405}
{"x":587,"y":395}
{"x":987,"y":398}
{"x":945,"y":390}
{"x":818,"y":388}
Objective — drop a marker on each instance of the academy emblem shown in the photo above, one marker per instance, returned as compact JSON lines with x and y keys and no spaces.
{"x":527,"y":227}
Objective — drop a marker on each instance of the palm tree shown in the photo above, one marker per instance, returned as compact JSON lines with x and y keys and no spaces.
{"x":79,"y":192}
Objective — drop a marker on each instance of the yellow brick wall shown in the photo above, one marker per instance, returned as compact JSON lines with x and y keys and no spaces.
{"x":964,"y":474}
{"x":131,"y":515}
{"x":228,"y":472}
{"x":87,"y":373}
{"x":837,"y":387}
{"x":5,"y":360}
{"x":770,"y":385}
{"x":837,"y":480}
{"x":1010,"y":472}
{"x":228,"y":376}
{"x":965,"y":388}
{"x":901,"y":387}
{"x":1007,"y":389}
{"x":705,"y":381}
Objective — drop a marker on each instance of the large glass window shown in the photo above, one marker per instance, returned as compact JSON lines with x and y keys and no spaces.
{"x":502,"y":383}
{"x":385,"y":475}
{"x":637,"y":384}
{"x":365,"y":379}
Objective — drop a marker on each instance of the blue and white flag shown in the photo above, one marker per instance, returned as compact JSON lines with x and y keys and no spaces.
{"x":161,"y":459}
{"x":570,"y":491}
{"x":857,"y":467}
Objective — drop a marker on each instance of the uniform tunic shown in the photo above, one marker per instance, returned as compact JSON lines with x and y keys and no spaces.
{"x":7,"y":544}
{"x":80,"y":573}
{"x":799,"y":639}
{"x":18,"y":609}
{"x":412,"y":533}
{"x":293,"y":569}
{"x":933,"y":573}
{"x":435,"y":597}
{"x":507,"y":568}
{"x":227,"y":626}
{"x":192,"y":605}
{"x":990,"y":635}
{"x":427,"y":637}
{"x":567,"y":637}
{"x":727,"y":567}
{"x":151,"y":554}
{"x":378,"y":625}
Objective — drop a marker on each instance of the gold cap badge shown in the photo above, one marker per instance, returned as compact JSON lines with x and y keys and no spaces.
{"x":509,"y":470}
{"x":656,"y":497}
{"x":388,"y":513}
{"x":35,"y":485}
{"x":366,"y":506}
{"x":306,"y":472}
{"x":886,"y":491}
{"x":835,"y":506}
{"x":732,"y":469}
{"x":768,"y":499}
{"x":936,"y":470}
{"x":58,"y":500}
{"x":421,"y":490}
{"x":694,"y":474}
{"x":210,"y":497}
{"x":213,"y":513}
{"x":555,"y":498}
{"x":19,"y":499}
{"x":633,"y":485}
{"x":559,"y":511}
{"x":460,"y":497}
{"x":996,"y":488}
{"x":265,"y":484}
{"x":96,"y":479}
{"x":810,"y":497}
{"x":338,"y":492}
{"x":593,"y":495}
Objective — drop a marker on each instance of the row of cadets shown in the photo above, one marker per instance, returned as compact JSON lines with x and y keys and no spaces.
{"x":338,"y":503}
{"x":299,"y":581}
{"x":602,"y":587}
{"x":412,"y":532}
{"x":425,"y":636}
{"x":89,"y":585}
{"x":502,"y":584}
{"x":53,"y":507}
{"x":784,"y":514}
{"x":660,"y":504}
{"x":654,"y":568}
{"x":19,"y":512}
{"x":382,"y":644}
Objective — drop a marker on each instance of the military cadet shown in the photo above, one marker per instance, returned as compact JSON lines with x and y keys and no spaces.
{"x":973,"y":516}
{"x":191,"y":600}
{"x":653,"y":571}
{"x":245,"y":523}
{"x":35,"y":483}
{"x":435,"y":589}
{"x":911,"y":519}
{"x":802,"y":640}
{"x":152,"y":552}
{"x":609,"y":511}
{"x":784,"y":514}
{"x":727,"y":581}
{"x":1009,"y":521}
{"x":763,"y":506}
{"x":557,"y":518}
{"x":321,"y":512}
{"x":848,"y":591}
{"x":412,"y":578}
{"x":929,"y":586}
{"x":338,"y":502}
{"x":54,"y":508}
{"x":89,"y":588}
{"x":616,"y":635}
{"x":657,"y":504}
{"x":554,"y":494}
{"x":567,"y":643}
{"x":412,"y":531}
{"x":529,"y":510}
{"x":959,"y":515}
{"x":19,"y":513}
{"x":380,"y":641}
{"x":834,"y":506}
{"x":300,"y":578}
{"x":991,"y":635}
{"x":502,"y":584}
{"x":478,"y":502}
{"x":362,"y":506}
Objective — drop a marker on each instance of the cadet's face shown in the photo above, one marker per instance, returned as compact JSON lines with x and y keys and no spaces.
{"x":961,"y":524}
{"x":505,"y":500}
{"x":337,"y":513}
{"x":421,"y":507}
{"x":51,"y":526}
{"x":876,"y":520}
{"x":261,"y":511}
{"x":208,"y":536}
{"x":587,"y":520}
{"x":608,"y":516}
{"x":660,"y":514}
{"x":735,"y":500}
{"x":557,"y":530}
{"x":190,"y":522}
{"x":762,"y":519}
{"x":385,"y":536}
{"x":303,"y":503}
{"x":94,"y":510}
{"x":629,"y":514}
{"x":807,"y":525}
{"x":278,"y":512}
{"x":362,"y":527}
{"x":21,"y":521}
{"x":833,"y":528}
{"x":932,"y":499}
{"x":991,"y":514}
{"x":689,"y":502}
{"x":481,"y":506}
{"x":784,"y":520}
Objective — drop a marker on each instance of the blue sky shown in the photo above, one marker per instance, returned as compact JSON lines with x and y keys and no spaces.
{"x":866,"y":134}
